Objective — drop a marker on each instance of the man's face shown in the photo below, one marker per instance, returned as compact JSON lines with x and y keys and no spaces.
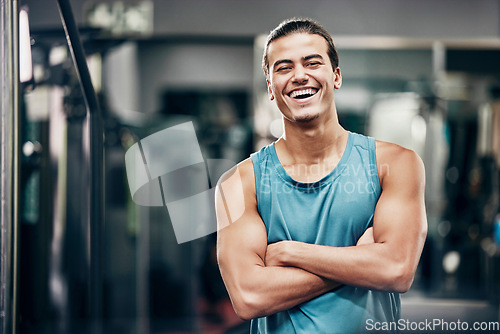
{"x":301,"y":77}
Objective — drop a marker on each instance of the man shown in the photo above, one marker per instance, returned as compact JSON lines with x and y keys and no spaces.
{"x":320,"y":231}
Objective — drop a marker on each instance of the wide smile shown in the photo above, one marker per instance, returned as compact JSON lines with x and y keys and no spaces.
{"x":303,"y":94}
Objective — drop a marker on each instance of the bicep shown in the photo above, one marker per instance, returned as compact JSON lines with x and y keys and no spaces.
{"x":241,"y":235}
{"x":400,"y":218}
{"x":241,"y":249}
{"x":242,"y":239}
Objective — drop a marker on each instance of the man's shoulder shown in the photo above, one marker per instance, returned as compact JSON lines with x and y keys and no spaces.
{"x":390,"y":152}
{"x":235,"y":193}
{"x":240,"y":176}
{"x":395,"y":159}
{"x":245,"y":168}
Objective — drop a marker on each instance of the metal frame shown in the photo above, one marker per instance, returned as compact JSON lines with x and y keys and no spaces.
{"x":96,"y":193}
{"x":9,"y":161}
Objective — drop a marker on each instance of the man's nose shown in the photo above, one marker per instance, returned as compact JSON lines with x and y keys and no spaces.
{"x":300,"y":74}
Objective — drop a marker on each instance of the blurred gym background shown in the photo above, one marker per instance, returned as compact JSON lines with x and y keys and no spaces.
{"x":78,"y":255}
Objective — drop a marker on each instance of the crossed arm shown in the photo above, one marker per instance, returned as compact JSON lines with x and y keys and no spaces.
{"x":263,"y":279}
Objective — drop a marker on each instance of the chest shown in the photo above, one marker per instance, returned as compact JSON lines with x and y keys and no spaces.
{"x":335,"y":214}
{"x":310,"y":172}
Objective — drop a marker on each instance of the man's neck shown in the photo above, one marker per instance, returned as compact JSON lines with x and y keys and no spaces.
{"x":313,"y":143}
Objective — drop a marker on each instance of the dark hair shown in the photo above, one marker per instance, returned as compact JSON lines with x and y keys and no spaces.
{"x":300,"y":25}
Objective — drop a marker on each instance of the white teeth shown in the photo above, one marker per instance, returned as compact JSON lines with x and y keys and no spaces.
{"x":308,"y":91}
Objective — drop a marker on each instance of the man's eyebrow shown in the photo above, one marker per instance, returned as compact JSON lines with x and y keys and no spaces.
{"x":313,"y":56}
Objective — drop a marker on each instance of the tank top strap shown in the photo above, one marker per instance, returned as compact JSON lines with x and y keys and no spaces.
{"x":368,"y":145}
{"x":261,"y":168}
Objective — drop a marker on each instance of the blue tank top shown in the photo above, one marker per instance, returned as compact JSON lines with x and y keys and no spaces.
{"x":334,"y":211}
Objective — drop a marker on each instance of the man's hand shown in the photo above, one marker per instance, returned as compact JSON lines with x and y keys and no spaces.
{"x":366,"y":238}
{"x":276,"y":253}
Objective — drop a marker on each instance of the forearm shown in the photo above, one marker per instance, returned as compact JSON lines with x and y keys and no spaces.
{"x":373,"y":266}
{"x":267,"y":290}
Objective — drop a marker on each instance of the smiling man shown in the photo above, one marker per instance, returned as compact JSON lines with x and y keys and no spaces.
{"x":320,"y":231}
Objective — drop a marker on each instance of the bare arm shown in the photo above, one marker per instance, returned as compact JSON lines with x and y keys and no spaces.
{"x":399,"y":230}
{"x":255,"y":289}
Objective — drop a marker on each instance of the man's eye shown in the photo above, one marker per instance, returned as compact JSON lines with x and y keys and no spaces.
{"x":315,"y":63}
{"x":282,"y":69}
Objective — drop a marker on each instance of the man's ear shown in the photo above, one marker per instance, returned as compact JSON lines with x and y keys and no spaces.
{"x":338,"y":78}
{"x":269,"y":90}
